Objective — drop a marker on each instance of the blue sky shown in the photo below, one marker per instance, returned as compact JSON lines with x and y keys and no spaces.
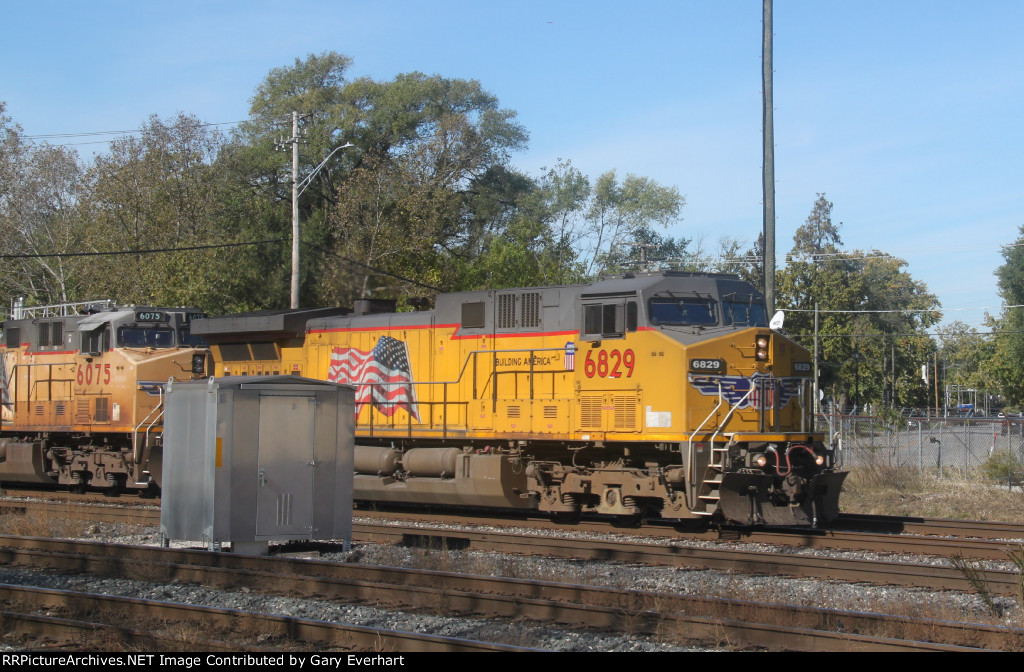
{"x":907,"y":115}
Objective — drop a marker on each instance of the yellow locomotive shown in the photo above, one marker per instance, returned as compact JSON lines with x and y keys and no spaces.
{"x":650,"y":394}
{"x":81,"y":392}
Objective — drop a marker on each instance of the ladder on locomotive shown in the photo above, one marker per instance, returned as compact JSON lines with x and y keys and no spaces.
{"x":143,"y":436}
{"x":709,"y":492}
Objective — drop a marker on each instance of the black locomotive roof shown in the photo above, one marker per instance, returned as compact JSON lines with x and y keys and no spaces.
{"x":706,"y":284}
{"x":270,"y":323}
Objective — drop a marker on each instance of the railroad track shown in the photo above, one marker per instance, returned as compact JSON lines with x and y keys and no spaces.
{"x":147,"y":512}
{"x":749,"y":624}
{"x":449,"y":530}
{"x":984,"y":540}
{"x":102,"y":621}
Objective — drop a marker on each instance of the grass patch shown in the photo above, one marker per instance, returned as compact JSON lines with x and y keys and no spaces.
{"x":43,"y":523}
{"x":903,"y":491}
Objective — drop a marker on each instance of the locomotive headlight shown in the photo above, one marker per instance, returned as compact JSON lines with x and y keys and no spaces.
{"x":819,"y":460}
{"x":760,"y":460}
{"x":761,"y":348}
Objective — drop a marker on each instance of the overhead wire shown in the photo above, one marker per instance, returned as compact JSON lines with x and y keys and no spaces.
{"x":116,"y":134}
{"x":164,"y":250}
{"x":140,"y":252}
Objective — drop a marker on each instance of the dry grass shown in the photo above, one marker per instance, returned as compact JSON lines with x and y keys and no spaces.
{"x":902,"y":491}
{"x":44,"y":524}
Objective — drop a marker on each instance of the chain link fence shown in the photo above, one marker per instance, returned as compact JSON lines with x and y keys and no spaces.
{"x":936,"y":445}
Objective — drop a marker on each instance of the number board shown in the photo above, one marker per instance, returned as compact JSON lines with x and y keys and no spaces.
{"x":151,"y":316}
{"x":708,"y":365}
{"x":802,"y":367}
{"x":194,"y":316}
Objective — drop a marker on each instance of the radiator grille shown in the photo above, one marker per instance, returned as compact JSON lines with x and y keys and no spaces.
{"x":590,"y":412}
{"x":102,"y":410}
{"x":625,"y":412}
{"x":530,"y":310}
{"x":506,"y":317}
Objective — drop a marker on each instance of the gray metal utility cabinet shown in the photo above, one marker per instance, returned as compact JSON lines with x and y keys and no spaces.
{"x":254,"y":459}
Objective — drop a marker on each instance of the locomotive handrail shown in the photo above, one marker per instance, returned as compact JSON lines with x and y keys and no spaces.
{"x":21,"y":312}
{"x":138,"y":428}
{"x":30,"y":385}
{"x":692,"y":463}
{"x":473,"y":354}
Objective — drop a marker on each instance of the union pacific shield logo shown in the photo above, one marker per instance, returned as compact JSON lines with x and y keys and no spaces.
{"x":758,"y":391}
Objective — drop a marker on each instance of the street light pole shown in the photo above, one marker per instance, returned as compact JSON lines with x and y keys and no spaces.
{"x":856,"y":377}
{"x":298,"y":187}
{"x":295,"y":209}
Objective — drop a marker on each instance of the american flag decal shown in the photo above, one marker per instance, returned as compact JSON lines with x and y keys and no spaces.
{"x":383,"y":376}
{"x":570,"y":356}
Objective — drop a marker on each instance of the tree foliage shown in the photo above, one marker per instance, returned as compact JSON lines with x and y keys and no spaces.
{"x":158,"y":191}
{"x":426,"y":199}
{"x":40,"y":218}
{"x":1008,"y":348}
{"x":873,"y":315}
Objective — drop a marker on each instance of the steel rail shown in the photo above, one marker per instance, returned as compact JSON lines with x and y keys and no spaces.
{"x":49,"y":632}
{"x":283,"y":628}
{"x":994,"y":548}
{"x":879,"y":572}
{"x":792,"y":627}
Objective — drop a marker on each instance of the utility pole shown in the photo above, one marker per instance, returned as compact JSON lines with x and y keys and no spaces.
{"x":281,"y":144}
{"x":298,"y":187}
{"x":814,"y":387}
{"x":295,"y":209}
{"x":768,"y":176}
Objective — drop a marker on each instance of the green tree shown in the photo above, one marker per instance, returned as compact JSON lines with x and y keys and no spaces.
{"x":750,"y":265}
{"x":160,"y":191}
{"x":965,"y":354}
{"x":625,"y":213}
{"x":426,"y":151}
{"x":524,"y":232}
{"x":873,"y":315}
{"x":1009,"y":328}
{"x":41,"y":191}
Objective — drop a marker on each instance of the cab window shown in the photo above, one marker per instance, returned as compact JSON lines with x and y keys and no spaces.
{"x":685,"y":311}
{"x":187,"y":340}
{"x":744,"y":314}
{"x":145,"y":337}
{"x":609,"y":320}
{"x":96,"y":341}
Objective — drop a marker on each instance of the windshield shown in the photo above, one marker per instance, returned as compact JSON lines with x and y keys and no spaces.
{"x":672,"y":311}
{"x":186,"y":338}
{"x":744,"y":313}
{"x":145,"y":337}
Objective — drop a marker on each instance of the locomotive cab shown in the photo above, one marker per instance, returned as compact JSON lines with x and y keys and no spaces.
{"x":729,"y":397}
{"x":83,"y":392}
